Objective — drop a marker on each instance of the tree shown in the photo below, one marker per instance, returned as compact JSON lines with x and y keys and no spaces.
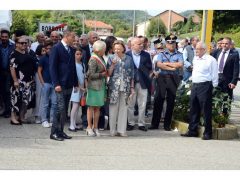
{"x":155,"y":27}
{"x":178,"y":26}
{"x":224,"y":20}
{"x":20,"y":22}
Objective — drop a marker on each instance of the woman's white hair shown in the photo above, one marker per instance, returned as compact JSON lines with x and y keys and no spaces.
{"x":99,"y":46}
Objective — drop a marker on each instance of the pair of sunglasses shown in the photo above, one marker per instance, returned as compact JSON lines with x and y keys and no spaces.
{"x":22,"y":43}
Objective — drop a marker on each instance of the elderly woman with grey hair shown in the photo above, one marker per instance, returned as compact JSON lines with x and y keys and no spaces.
{"x":96,"y":91}
{"x":121,"y":88}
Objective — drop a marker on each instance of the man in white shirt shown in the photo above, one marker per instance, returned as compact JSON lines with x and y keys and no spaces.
{"x":204,"y":78}
{"x":40,"y":40}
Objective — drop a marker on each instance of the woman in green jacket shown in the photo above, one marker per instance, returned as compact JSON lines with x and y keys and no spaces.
{"x":96,"y":88}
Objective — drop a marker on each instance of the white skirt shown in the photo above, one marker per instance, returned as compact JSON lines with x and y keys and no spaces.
{"x":76,"y":96}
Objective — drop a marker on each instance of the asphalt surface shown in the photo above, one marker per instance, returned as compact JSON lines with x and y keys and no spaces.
{"x":28,"y":147}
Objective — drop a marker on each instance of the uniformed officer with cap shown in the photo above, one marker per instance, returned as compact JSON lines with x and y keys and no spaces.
{"x":169,"y":61}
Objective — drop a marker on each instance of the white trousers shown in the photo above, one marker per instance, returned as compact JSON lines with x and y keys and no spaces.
{"x":118,"y":115}
{"x":141,"y":97}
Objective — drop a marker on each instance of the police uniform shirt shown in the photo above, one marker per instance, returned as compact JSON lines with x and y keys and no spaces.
{"x":167,"y":56}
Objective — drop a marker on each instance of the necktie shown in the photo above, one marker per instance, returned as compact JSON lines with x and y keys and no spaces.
{"x":222,"y":62}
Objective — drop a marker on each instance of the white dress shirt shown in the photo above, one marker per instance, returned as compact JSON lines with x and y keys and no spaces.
{"x":90,"y":48}
{"x":65,"y":45}
{"x":225,"y":58}
{"x":205,"y":69}
{"x":136,"y":59}
{"x":34,"y":46}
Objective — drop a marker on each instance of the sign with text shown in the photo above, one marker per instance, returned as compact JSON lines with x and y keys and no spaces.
{"x":49,"y":27}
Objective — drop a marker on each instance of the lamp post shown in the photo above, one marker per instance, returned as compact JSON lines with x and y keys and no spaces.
{"x":134,"y":16}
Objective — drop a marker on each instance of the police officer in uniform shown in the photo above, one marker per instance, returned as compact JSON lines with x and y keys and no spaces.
{"x":169,"y":61}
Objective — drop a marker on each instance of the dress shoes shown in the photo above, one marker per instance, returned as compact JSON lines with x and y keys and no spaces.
{"x":167,"y":129}
{"x":142,"y":128}
{"x":13,"y":123}
{"x":78,"y":129}
{"x":130,"y":128}
{"x":206,"y":137}
{"x":56,"y":137}
{"x":65,"y":136}
{"x":153,"y":127}
{"x":188,"y":134}
{"x":72,"y":130}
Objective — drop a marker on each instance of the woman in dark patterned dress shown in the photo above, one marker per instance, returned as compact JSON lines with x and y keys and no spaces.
{"x":22,"y":67}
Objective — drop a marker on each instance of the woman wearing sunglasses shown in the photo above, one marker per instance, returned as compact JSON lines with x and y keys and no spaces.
{"x":22,"y":67}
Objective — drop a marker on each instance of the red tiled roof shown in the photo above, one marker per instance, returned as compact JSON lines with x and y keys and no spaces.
{"x":99,"y":24}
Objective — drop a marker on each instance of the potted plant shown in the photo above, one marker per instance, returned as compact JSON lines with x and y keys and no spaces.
{"x":220,"y":101}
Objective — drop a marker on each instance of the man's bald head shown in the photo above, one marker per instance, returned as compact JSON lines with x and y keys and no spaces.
{"x":136,"y":45}
{"x":92,"y":37}
{"x":54,"y":37}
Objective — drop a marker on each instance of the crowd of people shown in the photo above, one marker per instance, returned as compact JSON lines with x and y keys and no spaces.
{"x":110,"y":80}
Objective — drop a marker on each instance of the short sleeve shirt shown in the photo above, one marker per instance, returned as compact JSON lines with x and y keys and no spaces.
{"x":167,"y":56}
{"x":44,"y":63}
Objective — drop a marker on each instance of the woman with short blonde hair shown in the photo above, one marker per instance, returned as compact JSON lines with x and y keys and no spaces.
{"x":96,"y":88}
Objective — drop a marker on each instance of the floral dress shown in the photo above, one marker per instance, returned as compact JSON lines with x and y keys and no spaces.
{"x":25,"y":67}
{"x":121,"y":78}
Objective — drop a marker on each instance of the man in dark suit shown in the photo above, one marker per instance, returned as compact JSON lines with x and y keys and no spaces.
{"x":142,"y":69}
{"x":87,"y":42}
{"x":64,"y":77}
{"x":228,"y":68}
{"x":6,"y":48}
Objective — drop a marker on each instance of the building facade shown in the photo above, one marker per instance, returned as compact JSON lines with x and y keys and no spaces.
{"x":100,"y":27}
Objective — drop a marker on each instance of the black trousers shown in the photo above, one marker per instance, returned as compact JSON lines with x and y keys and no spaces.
{"x":222,"y":83}
{"x":201,"y":103}
{"x":5,"y":84}
{"x":60,"y":117}
{"x":166,"y":89}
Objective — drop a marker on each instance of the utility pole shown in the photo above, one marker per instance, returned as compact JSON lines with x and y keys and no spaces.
{"x":169,"y":20}
{"x":134,"y":23}
{"x":83,"y":23}
{"x":144,"y":34}
{"x":95,"y":28}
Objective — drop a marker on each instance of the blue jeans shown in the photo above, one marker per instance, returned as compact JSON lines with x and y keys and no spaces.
{"x":186,"y":75}
{"x":48,"y":99}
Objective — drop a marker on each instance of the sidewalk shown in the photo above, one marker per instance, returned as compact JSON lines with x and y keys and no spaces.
{"x":29,"y":147}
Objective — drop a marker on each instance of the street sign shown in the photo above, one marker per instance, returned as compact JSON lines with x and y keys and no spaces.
{"x":48,"y":27}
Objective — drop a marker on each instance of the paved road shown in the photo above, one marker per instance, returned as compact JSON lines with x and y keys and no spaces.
{"x":29,"y":147}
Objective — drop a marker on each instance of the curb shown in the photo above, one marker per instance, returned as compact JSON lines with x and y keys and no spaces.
{"x":228,"y":132}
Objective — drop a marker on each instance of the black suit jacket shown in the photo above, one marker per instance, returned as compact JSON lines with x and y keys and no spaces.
{"x":87,"y":55}
{"x":231,"y":67}
{"x":62,"y":66}
{"x":144,"y":70}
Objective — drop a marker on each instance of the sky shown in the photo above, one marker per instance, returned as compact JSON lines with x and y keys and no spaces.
{"x":155,"y":12}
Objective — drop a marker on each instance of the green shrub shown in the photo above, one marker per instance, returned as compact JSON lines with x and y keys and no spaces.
{"x":182,"y":106}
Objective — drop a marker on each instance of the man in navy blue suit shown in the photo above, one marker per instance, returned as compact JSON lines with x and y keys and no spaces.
{"x":228,"y":68}
{"x":142,"y":69}
{"x":64,"y":78}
